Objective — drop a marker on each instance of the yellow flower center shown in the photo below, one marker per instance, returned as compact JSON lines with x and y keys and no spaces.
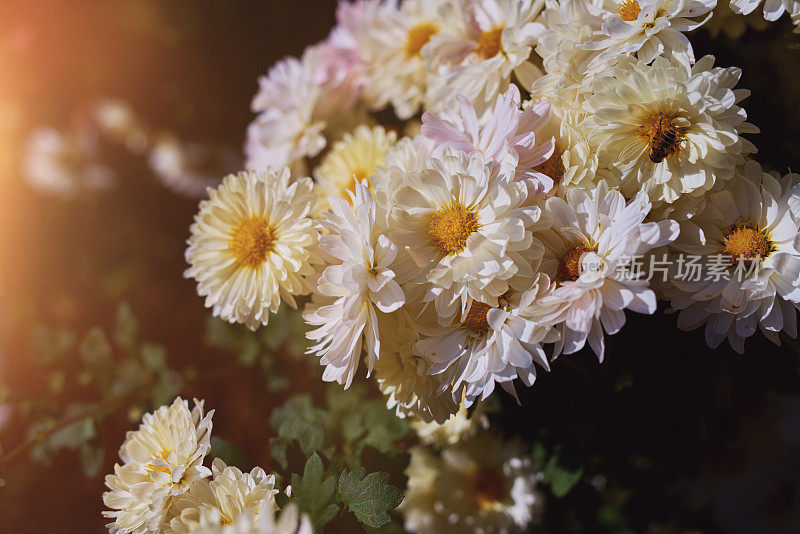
{"x":476,"y":320}
{"x":629,"y":10}
{"x":661,"y":134}
{"x":747,"y":242}
{"x":451,"y":225}
{"x":418,"y":36}
{"x":490,"y":43}
{"x":359,"y":175}
{"x":251,"y":241}
{"x":569,"y":266}
{"x":486,"y":486}
{"x":150,"y":467}
{"x":554,"y":166}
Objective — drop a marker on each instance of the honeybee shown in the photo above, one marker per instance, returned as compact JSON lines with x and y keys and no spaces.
{"x":663,"y":144}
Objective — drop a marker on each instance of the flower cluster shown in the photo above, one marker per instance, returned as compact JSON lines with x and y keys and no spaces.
{"x":163,"y":486}
{"x":537,"y":149}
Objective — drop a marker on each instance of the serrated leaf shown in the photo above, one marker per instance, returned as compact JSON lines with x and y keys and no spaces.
{"x":371,"y":498}
{"x":560,"y":474}
{"x":313,"y":493}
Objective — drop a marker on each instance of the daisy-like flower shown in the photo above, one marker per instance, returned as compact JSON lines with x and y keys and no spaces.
{"x":357,"y":285}
{"x":483,"y":485}
{"x":668,"y":129}
{"x":464,"y":223}
{"x":482,"y":45}
{"x":288,"y":521}
{"x":509,"y":130}
{"x":492,"y":345}
{"x":252,"y":244}
{"x":648,"y":28}
{"x":773,"y":9}
{"x":230,"y":495}
{"x":161,"y":459}
{"x":64,"y":165}
{"x":747,"y":240}
{"x":594,"y":237}
{"x":391,"y":40}
{"x":403,"y":375}
{"x":796,"y":18}
{"x":352,"y":160}
{"x":288,"y":126}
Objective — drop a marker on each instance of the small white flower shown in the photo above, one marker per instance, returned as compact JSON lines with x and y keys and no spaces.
{"x":357,"y":285}
{"x":252,"y":244}
{"x":230,"y":495}
{"x":751,"y":230}
{"x":403,"y":375}
{"x":391,"y":40}
{"x":482,"y":485}
{"x":667,"y":129}
{"x":649,"y":28}
{"x":160,"y":460}
{"x":594,"y":234}
{"x":491,"y":345}
{"x":508,"y":131}
{"x":353,"y":159}
{"x":288,"y":521}
{"x":464,"y":223}
{"x":482,"y":45}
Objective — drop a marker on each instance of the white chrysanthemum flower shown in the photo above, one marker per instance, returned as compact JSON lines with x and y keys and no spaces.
{"x":574,"y":161}
{"x":252,"y":244}
{"x":483,"y":485}
{"x":796,"y":20}
{"x":289,"y":521}
{"x":288,"y":126}
{"x":773,"y":9}
{"x":391,"y":40}
{"x":460,"y":426}
{"x":357,"y":285}
{"x":568,"y":24}
{"x":464,"y":223}
{"x":508,"y":131}
{"x":403,"y":376}
{"x":492,"y":345}
{"x":594,"y":234}
{"x":161,"y":460}
{"x":352,"y":160}
{"x":483,"y":43}
{"x":64,"y":165}
{"x":667,"y":129}
{"x":648,"y":28}
{"x":747,"y":240}
{"x":230,"y":495}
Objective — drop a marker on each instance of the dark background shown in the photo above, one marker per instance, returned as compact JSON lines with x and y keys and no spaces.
{"x":673,"y":437}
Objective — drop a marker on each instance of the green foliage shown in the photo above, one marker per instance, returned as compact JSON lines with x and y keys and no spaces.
{"x":283,"y":338}
{"x":561,"y":473}
{"x":229,"y":453}
{"x":333,"y":438}
{"x":314,"y":492}
{"x":369,"y":497}
{"x":108,"y":376}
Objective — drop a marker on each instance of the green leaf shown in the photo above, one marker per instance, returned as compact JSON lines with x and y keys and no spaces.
{"x":91,"y":459}
{"x":313,"y":493}
{"x":561,"y":474}
{"x":369,"y":497}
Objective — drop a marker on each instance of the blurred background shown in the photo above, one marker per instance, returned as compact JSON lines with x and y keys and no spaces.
{"x":149,"y":100}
